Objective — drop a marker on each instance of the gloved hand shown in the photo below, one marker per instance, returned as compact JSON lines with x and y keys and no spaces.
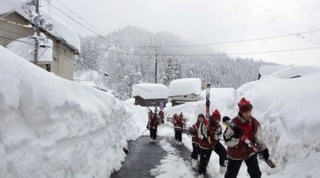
{"x":265,"y":154}
{"x":237,"y":133}
{"x":148,"y":126}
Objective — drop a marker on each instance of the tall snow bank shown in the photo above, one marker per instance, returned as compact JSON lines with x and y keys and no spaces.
{"x":288,"y":110}
{"x":51,"y":127}
{"x":185,"y":86}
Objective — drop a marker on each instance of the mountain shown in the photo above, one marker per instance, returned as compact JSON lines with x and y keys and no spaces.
{"x":128,"y":56}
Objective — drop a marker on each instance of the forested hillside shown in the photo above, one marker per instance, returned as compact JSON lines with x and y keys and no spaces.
{"x":132,"y":60}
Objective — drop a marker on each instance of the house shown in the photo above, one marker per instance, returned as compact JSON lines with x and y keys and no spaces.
{"x":184,"y":90}
{"x":150,"y":94}
{"x":63,"y":43}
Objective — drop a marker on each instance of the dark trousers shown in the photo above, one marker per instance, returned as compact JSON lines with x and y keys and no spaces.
{"x":234,"y":167}
{"x":222,"y":152}
{"x":178,"y":135}
{"x":153,"y":133}
{"x":204,"y":160}
{"x":195,"y":151}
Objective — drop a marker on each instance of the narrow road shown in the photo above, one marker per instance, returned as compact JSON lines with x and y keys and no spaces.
{"x":143,"y":156}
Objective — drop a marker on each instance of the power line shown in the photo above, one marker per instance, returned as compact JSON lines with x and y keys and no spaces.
{"x":79,"y":16}
{"x":195,"y":55}
{"x":228,"y":42}
{"x":92,"y":31}
{"x":222,"y":54}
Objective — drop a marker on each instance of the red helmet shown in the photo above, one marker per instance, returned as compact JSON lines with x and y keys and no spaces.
{"x":216,"y":115}
{"x":244,"y":105}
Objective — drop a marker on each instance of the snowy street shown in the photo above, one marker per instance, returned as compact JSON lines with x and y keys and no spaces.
{"x":142,"y":157}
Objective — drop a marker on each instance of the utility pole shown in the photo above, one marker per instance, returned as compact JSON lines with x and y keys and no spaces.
{"x":156,"y":68}
{"x":37,"y":26}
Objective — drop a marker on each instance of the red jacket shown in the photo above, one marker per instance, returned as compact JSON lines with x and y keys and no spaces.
{"x":212,"y":134}
{"x":178,"y":122}
{"x":195,"y":138}
{"x":242,"y":151}
{"x":153,"y":121}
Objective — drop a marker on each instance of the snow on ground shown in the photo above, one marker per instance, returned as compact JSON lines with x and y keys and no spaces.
{"x":185,"y":86}
{"x":171,"y":165}
{"x":52,"y":127}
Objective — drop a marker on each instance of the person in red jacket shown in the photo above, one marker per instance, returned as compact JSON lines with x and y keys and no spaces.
{"x":153,"y":126}
{"x":195,"y":141}
{"x":178,"y":123}
{"x":209,"y":139}
{"x":238,"y":151}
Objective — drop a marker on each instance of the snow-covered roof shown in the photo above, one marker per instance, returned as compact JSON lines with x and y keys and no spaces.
{"x":296,"y":71}
{"x":24,"y":47}
{"x":60,"y":30}
{"x":150,"y":91}
{"x":269,"y":69}
{"x":185,"y":86}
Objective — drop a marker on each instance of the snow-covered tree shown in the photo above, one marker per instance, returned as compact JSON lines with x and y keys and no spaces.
{"x":170,"y":72}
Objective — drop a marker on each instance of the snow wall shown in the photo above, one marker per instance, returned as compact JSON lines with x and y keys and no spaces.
{"x":52,"y":127}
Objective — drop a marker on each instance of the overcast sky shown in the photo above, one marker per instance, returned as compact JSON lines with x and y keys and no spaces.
{"x":209,"y":21}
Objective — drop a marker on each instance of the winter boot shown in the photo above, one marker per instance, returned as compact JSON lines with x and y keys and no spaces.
{"x":223,"y":169}
{"x":194,"y":163}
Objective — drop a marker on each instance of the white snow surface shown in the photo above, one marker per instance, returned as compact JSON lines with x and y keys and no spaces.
{"x":52,"y":127}
{"x":269,"y":69}
{"x":296,"y":71}
{"x":150,"y":91}
{"x":171,"y":165}
{"x":24,"y":47}
{"x":185,"y":86}
{"x":288,"y":110}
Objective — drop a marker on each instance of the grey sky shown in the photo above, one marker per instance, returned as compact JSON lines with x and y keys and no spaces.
{"x":206,"y":21}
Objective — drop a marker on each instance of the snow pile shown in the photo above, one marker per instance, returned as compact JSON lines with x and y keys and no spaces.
{"x":296,"y":71}
{"x":172,"y":165}
{"x":288,"y":110}
{"x":269,"y":69}
{"x":52,"y":127}
{"x":24,"y":47}
{"x":150,"y":91}
{"x":185,"y":86}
